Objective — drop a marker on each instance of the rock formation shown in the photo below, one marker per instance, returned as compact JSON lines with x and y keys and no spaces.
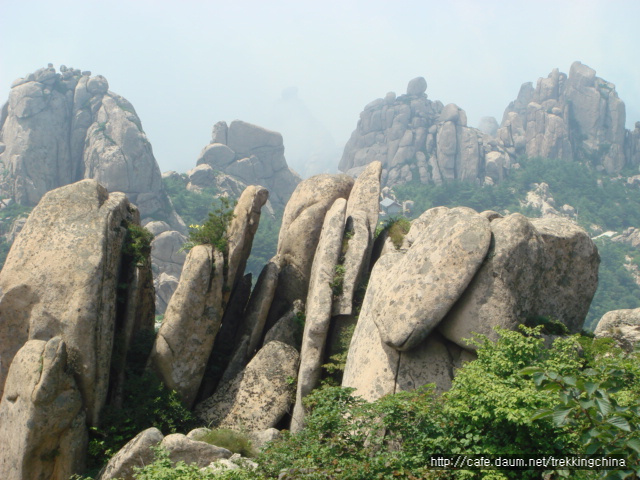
{"x":575,"y":117}
{"x":258,"y":397}
{"x":63,"y":127}
{"x":516,"y":269}
{"x":60,"y":279}
{"x":416,"y":139}
{"x":621,"y":325}
{"x":192,"y":320}
{"x":251,"y":155}
{"x":319,"y":306}
{"x":42,"y":422}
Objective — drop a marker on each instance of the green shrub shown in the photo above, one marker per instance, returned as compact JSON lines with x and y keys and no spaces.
{"x":214,"y":230}
{"x":137,"y":244}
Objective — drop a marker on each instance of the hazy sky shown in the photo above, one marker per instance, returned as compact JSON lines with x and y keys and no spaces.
{"x":186,"y":65}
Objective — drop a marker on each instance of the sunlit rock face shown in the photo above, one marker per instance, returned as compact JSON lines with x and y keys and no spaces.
{"x":61,"y":127}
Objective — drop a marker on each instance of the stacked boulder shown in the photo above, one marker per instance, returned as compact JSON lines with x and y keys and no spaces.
{"x":242,"y":154}
{"x":416,"y":139}
{"x":461,"y":273}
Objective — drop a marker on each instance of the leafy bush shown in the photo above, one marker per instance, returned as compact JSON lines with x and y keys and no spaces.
{"x":137,"y":244}
{"x":214,"y":230}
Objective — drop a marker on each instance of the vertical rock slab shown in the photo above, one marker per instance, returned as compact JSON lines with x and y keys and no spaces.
{"x":300,"y":232}
{"x":191,"y":323}
{"x":60,"y":278}
{"x":42,"y":422}
{"x":362,"y":219}
{"x":259,"y":396}
{"x":242,"y":229}
{"x":319,"y":302}
{"x":424,"y":284}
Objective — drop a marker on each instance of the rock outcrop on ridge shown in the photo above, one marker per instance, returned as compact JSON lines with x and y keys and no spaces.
{"x":242,"y":154}
{"x":417,"y":139}
{"x":63,"y":127}
{"x":576,"y":117}
{"x":621,"y":325}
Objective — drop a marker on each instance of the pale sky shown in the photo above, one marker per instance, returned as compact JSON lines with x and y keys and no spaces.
{"x":185,"y":65}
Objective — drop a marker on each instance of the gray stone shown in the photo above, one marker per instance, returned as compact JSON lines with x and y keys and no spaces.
{"x":42,"y":422}
{"x":136,"y":453}
{"x":258,"y":397}
{"x":427,"y":281}
{"x":417,"y":86}
{"x":189,"y":451}
{"x":318,"y":307}
{"x":192,"y":320}
{"x":621,"y":325}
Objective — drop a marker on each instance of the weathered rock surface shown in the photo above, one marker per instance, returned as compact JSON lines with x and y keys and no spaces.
{"x":184,"y":449}
{"x":250,"y":154}
{"x":300,"y":231}
{"x":417,"y":139}
{"x":242,"y":229}
{"x":46,"y":291}
{"x":375,"y":369}
{"x":318,"y":307}
{"x":575,"y":117}
{"x":192,"y":320}
{"x":64,"y":127}
{"x":42,"y":422}
{"x":259,"y":396}
{"x":136,"y":453}
{"x":167,"y":261}
{"x":360,"y":226}
{"x":535,"y":267}
{"x":621,"y":325}
{"x":427,"y":281}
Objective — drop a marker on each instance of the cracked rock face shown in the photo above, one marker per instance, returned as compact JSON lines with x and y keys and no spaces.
{"x":60,"y":279}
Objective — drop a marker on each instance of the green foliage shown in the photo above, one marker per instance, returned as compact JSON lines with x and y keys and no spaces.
{"x":137,"y":244}
{"x":146,"y":403}
{"x":550,"y":325}
{"x":600,"y":405}
{"x":232,"y":440}
{"x":337,"y":283}
{"x":334,"y":368}
{"x":397,"y":228}
{"x":214,"y":230}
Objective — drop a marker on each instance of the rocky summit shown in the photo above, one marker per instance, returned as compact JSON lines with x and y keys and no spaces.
{"x":61,"y":127}
{"x":576,"y":117}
